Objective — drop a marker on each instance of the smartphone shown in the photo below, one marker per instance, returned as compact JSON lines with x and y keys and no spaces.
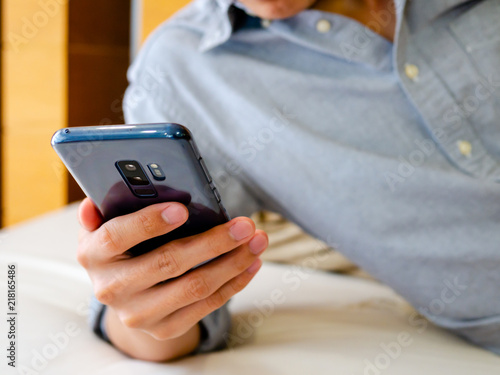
{"x":124,"y":168}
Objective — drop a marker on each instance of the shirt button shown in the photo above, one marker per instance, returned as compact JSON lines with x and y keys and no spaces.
{"x":464,"y":147}
{"x":323,"y":26}
{"x":265,"y":23}
{"x":412,"y":71}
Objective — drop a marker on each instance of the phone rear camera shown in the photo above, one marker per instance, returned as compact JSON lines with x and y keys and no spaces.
{"x":133,"y":173}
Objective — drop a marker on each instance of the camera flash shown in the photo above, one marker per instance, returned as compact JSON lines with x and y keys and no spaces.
{"x":156,"y":171}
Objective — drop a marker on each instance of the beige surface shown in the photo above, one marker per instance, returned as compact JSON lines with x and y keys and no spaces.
{"x":288,"y":321}
{"x":34,"y":106}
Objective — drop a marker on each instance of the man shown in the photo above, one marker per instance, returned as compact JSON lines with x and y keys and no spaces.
{"x":372,"y":124}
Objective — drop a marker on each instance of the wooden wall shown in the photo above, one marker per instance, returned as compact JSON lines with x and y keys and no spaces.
{"x":63,"y":63}
{"x":1,"y":119}
{"x":98,"y":58}
{"x":154,"y":12}
{"x":34,"y":98}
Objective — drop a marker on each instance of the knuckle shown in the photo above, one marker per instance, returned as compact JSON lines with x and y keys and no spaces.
{"x":241,"y":259}
{"x":212,"y":246}
{"x":82,"y":257}
{"x":235,"y":286}
{"x":238,"y":284}
{"x":166,"y":263}
{"x":105,"y":238}
{"x":241,"y":264}
{"x":105,"y":296}
{"x":146,"y":224}
{"x":108,"y":293}
{"x":197,"y":288}
{"x":134,"y":321}
{"x":216,"y":300}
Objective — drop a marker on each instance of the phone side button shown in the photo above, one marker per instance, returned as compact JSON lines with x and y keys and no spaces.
{"x":224,"y":211}
{"x":195,"y":149}
{"x":204,"y":167}
{"x":217,"y":195}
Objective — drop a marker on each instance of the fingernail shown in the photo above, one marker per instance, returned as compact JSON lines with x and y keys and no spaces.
{"x":258,"y":244}
{"x":255,"y":266}
{"x":173,"y":214}
{"x":241,"y":230}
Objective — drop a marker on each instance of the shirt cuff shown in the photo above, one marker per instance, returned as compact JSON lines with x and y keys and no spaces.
{"x":214,"y":327}
{"x":96,"y":319}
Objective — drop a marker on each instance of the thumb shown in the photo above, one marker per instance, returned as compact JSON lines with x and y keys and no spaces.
{"x":89,"y":216}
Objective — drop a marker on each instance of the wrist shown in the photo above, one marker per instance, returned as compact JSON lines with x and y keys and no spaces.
{"x":141,"y":345}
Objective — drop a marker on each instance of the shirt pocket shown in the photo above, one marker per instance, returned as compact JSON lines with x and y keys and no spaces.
{"x":478,"y":33}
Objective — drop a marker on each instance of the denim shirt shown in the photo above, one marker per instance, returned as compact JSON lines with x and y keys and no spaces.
{"x":387,"y":151}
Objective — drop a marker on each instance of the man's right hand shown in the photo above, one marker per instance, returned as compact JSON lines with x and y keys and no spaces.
{"x":157,"y":321}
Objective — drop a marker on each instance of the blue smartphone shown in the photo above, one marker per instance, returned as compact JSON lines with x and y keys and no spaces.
{"x":124,"y":168}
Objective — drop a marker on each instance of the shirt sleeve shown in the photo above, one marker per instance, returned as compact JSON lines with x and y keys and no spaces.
{"x":213,"y":326}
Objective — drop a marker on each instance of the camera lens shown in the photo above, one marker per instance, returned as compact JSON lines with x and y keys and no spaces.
{"x":134,"y":175}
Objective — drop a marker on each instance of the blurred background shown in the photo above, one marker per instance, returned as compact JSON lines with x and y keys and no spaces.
{"x":63,"y":63}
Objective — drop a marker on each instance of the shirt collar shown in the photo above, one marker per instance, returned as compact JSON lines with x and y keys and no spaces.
{"x":220,"y":28}
{"x":221,"y":24}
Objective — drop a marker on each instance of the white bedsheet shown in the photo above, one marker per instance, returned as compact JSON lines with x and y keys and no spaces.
{"x":319,"y":323}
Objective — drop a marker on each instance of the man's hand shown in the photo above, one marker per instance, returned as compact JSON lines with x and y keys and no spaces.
{"x":157,"y":321}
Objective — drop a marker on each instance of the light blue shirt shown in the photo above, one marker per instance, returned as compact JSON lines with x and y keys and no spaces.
{"x":388,"y":152}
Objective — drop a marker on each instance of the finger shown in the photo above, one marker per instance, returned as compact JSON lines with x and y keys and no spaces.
{"x":177,"y":257}
{"x":153,"y":304}
{"x":88,"y":215}
{"x":122,"y":233}
{"x":179,"y":322}
{"x":204,"y":281}
{"x":135,"y":275}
